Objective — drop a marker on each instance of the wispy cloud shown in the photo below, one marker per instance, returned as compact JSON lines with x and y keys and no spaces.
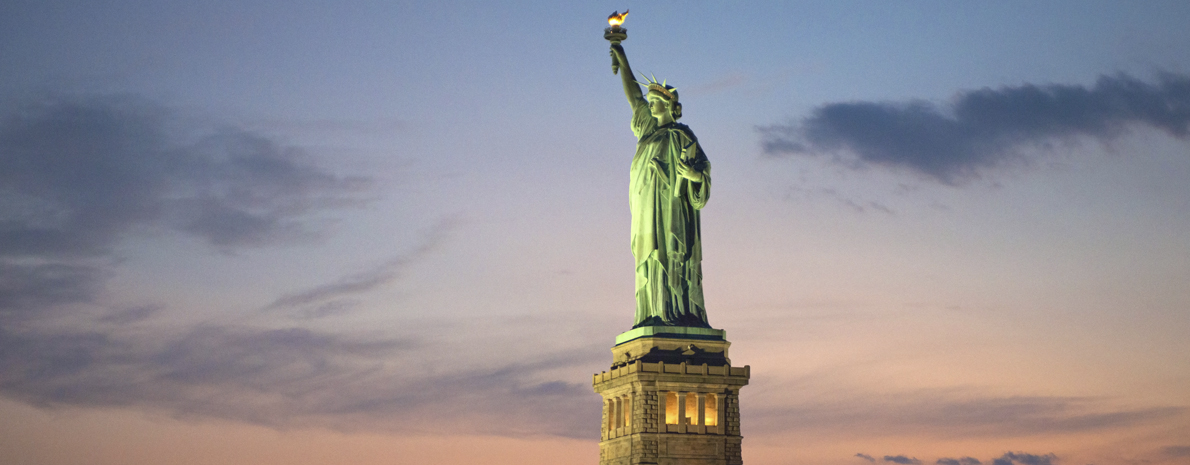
{"x":131,"y":315}
{"x":28,"y":287}
{"x":1021,"y":458}
{"x":79,"y":175}
{"x":1009,"y":458}
{"x":287,"y":377}
{"x":253,"y":373}
{"x":376,"y":127}
{"x":955,"y":414}
{"x":1176,"y":451}
{"x":984,"y":129}
{"x":865,"y":456}
{"x":337,"y":297}
{"x":76,"y":174}
{"x":958,"y":461}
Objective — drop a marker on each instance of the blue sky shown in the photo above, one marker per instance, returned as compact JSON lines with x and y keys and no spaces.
{"x":277,"y":232}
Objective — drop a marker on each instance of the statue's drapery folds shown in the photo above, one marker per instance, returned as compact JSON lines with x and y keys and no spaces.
{"x":666,"y":240}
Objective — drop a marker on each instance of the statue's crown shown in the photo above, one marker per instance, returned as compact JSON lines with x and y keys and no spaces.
{"x":670,"y":92}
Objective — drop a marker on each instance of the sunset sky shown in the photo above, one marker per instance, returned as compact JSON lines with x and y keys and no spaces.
{"x":380,"y":232}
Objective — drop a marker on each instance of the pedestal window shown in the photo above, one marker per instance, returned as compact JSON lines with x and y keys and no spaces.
{"x":712,"y":410}
{"x":671,"y":408}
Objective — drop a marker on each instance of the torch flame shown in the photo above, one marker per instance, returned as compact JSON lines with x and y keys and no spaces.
{"x":617,"y":18}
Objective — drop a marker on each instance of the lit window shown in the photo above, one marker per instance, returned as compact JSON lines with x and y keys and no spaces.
{"x":619,"y":413}
{"x":712,"y":410}
{"x":611,"y":414}
{"x":627,"y":411}
{"x":691,"y":408}
{"x":671,"y":408}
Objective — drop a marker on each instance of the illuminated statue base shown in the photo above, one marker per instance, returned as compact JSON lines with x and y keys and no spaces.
{"x":671,"y":399}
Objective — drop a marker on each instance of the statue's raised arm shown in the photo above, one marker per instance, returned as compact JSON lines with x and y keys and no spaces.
{"x":631,"y":88}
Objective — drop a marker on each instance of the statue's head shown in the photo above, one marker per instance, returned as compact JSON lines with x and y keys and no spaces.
{"x":662,"y":98}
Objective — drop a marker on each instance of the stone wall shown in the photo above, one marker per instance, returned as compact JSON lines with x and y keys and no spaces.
{"x":647,"y":438}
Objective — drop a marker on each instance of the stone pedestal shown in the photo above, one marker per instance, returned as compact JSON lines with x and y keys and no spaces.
{"x":671,"y":398}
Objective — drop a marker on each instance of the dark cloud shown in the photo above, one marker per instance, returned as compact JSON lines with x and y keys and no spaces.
{"x":1021,"y":458}
{"x":131,"y":315}
{"x":246,"y":367}
{"x":287,"y":377}
{"x":901,"y":459}
{"x":77,"y":174}
{"x":953,"y":414}
{"x":1176,"y":451}
{"x":243,"y":189}
{"x":78,"y":177}
{"x":959,"y":461}
{"x":865,"y":457}
{"x":983,"y":129}
{"x":29,"y":287}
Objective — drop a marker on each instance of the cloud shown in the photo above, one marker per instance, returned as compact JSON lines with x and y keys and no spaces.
{"x":1022,"y":458}
{"x":78,"y":174}
{"x":242,"y":366}
{"x":984,"y":129}
{"x":26,"y":288}
{"x":901,"y":459}
{"x":959,"y":461}
{"x":292,"y":377}
{"x":131,"y":315}
{"x":865,"y":457}
{"x":332,"y":296}
{"x":954,"y":413}
{"x":335,"y":297}
{"x":1176,"y":451}
{"x":78,"y":177}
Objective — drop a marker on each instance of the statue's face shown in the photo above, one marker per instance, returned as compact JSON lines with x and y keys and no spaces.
{"x":659,"y":107}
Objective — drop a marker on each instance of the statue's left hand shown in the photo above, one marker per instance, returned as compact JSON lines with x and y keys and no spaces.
{"x":688,"y":172}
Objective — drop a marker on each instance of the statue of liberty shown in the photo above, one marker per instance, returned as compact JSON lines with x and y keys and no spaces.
{"x":670,"y":181}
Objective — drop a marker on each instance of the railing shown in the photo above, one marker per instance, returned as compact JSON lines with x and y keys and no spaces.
{"x":673,"y":369}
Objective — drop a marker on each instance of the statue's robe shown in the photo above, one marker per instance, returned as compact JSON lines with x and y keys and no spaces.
{"x":666,"y":240}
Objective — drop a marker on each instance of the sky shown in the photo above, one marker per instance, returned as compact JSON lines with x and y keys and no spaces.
{"x":266,"y":232}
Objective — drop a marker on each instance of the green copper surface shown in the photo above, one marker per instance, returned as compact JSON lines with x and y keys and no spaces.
{"x":670,"y":181}
{"x":678,"y":332}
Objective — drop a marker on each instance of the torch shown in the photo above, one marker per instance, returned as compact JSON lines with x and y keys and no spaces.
{"x":614,"y":34}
